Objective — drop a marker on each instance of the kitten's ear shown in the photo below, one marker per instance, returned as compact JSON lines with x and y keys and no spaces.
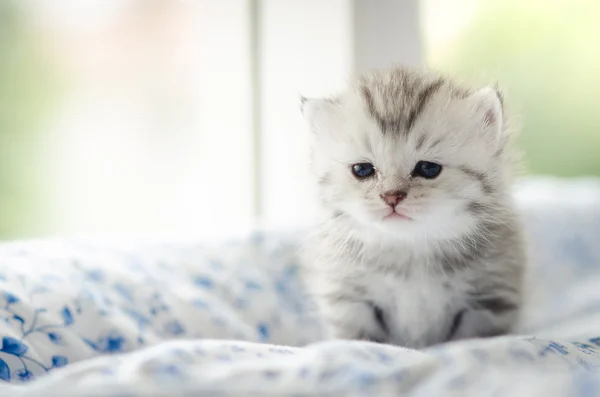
{"x":488,"y":110}
{"x":318,"y":112}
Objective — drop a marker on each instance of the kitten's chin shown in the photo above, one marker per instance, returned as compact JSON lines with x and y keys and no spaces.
{"x":433,"y":226}
{"x":396,"y":216}
{"x":387,"y":223}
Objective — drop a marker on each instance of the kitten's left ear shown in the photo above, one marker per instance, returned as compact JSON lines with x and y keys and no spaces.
{"x":489,"y":110}
{"x":318,"y":112}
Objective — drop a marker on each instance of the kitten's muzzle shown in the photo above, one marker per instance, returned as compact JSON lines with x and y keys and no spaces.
{"x":393,"y":198}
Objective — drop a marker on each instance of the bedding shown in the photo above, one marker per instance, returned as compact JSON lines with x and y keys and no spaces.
{"x":87,"y":318}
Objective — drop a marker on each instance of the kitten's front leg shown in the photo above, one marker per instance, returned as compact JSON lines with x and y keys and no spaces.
{"x":346,"y":318}
{"x":487,"y":317}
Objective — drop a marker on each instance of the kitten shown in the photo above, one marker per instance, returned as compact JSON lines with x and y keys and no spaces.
{"x":421,"y":242}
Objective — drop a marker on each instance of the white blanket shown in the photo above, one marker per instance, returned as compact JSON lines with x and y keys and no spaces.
{"x":168,"y":319}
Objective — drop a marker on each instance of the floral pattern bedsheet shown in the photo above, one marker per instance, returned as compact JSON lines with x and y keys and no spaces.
{"x":84,"y":318}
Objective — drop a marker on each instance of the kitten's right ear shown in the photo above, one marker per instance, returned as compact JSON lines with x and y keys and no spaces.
{"x":489,"y":110}
{"x":317,"y":112}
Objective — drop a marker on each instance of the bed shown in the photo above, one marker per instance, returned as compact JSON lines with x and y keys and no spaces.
{"x":178,"y":318}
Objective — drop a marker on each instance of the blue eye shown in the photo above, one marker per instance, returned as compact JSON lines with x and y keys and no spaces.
{"x":427,"y":169}
{"x":363,"y":170}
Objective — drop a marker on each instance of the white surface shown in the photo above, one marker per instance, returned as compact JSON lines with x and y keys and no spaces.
{"x":165,"y":305}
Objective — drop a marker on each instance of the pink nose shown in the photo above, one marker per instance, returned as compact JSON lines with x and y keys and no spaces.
{"x":393,"y":198}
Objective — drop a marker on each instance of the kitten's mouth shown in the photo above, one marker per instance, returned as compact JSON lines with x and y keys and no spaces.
{"x":397,"y":215}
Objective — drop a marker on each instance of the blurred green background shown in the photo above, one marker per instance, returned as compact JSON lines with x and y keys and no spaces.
{"x":26,"y":87}
{"x":544,"y":53}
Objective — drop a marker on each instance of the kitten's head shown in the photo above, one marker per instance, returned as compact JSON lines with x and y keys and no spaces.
{"x":410,"y":153}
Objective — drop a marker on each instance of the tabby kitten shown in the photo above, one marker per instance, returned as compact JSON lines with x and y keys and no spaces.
{"x":420,"y":242}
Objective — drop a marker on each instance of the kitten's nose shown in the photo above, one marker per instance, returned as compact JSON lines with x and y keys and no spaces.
{"x":393,"y":198}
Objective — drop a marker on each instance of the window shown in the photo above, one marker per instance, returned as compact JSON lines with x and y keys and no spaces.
{"x":140,"y":121}
{"x":182,"y":117}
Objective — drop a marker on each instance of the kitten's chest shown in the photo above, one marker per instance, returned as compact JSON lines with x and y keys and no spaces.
{"x":417,"y":310}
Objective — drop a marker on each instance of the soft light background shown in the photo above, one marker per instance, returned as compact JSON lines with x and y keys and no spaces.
{"x":121,"y":117}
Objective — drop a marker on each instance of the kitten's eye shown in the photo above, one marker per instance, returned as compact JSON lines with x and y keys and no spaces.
{"x":427,"y":169}
{"x":363,"y":170}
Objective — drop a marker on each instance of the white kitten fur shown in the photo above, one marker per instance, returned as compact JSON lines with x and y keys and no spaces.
{"x":454,"y":269}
